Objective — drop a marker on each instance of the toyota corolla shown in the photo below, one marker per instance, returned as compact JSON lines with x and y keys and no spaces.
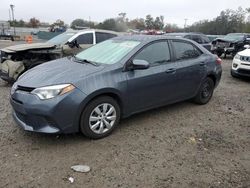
{"x":92,"y":91}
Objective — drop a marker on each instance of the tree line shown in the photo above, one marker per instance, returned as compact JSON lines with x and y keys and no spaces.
{"x":229,"y":21}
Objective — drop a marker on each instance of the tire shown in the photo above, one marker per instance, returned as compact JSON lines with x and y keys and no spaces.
{"x":205,"y":92}
{"x":102,"y":123}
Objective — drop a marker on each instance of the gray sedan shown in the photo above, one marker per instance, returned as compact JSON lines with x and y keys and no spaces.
{"x":92,"y":91}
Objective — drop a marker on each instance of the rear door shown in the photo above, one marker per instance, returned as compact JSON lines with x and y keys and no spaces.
{"x":102,"y":36}
{"x":190,"y":68}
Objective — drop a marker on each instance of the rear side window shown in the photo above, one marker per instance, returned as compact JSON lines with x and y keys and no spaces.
{"x":155,"y":53}
{"x":85,"y":38}
{"x":185,"y":50}
{"x":197,"y":39}
{"x":205,"y":39}
{"x":100,"y":36}
{"x":188,"y":37}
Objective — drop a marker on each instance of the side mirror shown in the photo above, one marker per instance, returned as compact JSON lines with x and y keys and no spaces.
{"x":247,"y":46}
{"x":138,"y":64}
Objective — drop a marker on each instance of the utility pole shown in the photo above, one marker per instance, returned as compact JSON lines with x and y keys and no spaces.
{"x":185,"y":25}
{"x":9,"y":16}
{"x":12,"y":10}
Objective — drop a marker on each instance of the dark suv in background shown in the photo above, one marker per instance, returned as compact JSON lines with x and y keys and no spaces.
{"x":197,"y":37}
{"x":230,"y":44}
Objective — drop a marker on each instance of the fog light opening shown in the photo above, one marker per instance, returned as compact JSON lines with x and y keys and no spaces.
{"x":235,"y":65}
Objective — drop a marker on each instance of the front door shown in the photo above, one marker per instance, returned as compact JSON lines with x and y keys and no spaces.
{"x":153,"y":86}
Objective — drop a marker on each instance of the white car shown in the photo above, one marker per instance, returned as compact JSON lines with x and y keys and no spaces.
{"x":241,"y":63}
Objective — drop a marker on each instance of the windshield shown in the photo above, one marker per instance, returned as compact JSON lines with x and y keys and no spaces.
{"x":108,"y":52}
{"x":61,"y":39}
{"x":234,"y":37}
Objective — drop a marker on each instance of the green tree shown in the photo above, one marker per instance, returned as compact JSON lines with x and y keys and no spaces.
{"x":33,"y":22}
{"x":149,"y":22}
{"x":137,"y":24}
{"x":159,"y":23}
{"x":81,"y":23}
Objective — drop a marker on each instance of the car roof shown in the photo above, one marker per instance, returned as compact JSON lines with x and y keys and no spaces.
{"x":86,"y":30}
{"x":183,"y":34}
{"x":145,"y":38}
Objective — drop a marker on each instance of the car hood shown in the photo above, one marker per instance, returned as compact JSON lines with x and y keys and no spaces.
{"x":23,"y":47}
{"x":226,"y":40}
{"x":59,"y":71}
{"x":245,"y":52}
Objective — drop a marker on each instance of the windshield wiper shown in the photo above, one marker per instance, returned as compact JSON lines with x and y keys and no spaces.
{"x":84,"y":61}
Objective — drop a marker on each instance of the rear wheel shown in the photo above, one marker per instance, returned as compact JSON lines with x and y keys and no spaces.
{"x":205,"y":92}
{"x":100,"y":117}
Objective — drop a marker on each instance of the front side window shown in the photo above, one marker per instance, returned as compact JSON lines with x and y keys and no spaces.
{"x":155,"y":53}
{"x":85,"y":38}
{"x":108,"y":52}
{"x":184,"y":50}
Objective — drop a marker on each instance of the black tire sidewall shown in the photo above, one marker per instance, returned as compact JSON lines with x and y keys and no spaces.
{"x":199,"y":99}
{"x":84,"y":123}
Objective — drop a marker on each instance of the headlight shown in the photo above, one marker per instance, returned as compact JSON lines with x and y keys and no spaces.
{"x":13,"y":89}
{"x":49,"y":92}
{"x":237,"y":56}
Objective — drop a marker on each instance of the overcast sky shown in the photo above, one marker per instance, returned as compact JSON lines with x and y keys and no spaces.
{"x":174,"y":11}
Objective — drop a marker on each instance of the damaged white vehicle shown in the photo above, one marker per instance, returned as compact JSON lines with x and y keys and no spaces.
{"x":15,"y":60}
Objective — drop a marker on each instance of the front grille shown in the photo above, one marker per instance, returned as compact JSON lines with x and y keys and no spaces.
{"x":245,"y":58}
{"x":244,"y":71}
{"x":26,"y":89}
{"x":223,"y":44}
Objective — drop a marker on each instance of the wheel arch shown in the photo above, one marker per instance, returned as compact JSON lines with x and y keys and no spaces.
{"x":115,"y":94}
{"x":213,"y":77}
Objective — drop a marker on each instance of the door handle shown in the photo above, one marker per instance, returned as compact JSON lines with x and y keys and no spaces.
{"x":202,"y":63}
{"x":172,"y":70}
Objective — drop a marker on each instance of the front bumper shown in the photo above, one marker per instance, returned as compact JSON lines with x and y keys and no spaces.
{"x":5,"y":76}
{"x":220,"y":50}
{"x":58,"y":115}
{"x":242,"y":69}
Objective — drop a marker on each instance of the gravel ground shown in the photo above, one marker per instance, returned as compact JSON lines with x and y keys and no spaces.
{"x":181,"y":145}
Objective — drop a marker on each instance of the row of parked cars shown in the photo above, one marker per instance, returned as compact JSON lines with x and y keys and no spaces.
{"x":93,"y":89}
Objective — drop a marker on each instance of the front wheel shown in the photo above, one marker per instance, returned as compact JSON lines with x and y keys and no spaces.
{"x":205,"y":92}
{"x":100,"y":117}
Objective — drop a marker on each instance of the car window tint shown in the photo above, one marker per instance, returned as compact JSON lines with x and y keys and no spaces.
{"x":155,"y":53}
{"x":197,"y":39}
{"x":205,"y":39}
{"x":184,"y":50}
{"x":188,"y":37}
{"x":100,"y":36}
{"x":85,"y":38}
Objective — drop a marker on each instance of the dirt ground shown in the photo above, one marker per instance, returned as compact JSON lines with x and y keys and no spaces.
{"x":181,"y":145}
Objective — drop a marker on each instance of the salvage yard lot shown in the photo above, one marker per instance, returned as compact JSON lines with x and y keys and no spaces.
{"x":181,"y":145}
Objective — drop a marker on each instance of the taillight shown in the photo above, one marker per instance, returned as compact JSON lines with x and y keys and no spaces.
{"x":218,"y":61}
